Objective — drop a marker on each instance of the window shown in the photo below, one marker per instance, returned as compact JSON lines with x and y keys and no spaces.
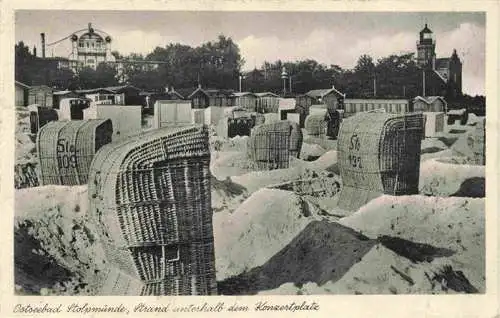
{"x":80,"y":44}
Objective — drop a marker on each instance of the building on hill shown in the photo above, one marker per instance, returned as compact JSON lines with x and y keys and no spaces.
{"x":91,"y":48}
{"x":440,"y":76}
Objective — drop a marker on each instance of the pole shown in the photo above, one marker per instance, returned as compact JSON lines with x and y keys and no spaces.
{"x":240,"y":83}
{"x":374,"y":86}
{"x":42,"y":35}
{"x":290,"y":82}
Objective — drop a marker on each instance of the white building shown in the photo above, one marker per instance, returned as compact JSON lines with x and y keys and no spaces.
{"x":91,"y":48}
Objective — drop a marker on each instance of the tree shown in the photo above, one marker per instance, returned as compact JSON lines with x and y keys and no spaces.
{"x":220,"y":63}
{"x":398,"y":76}
{"x":365,"y":65}
{"x":104,"y":75}
{"x":23,"y":63}
{"x":32,"y":70}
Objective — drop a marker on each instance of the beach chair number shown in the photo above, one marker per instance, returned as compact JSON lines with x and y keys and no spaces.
{"x":354,"y":160}
{"x":355,"y":144}
{"x":66,"y":154}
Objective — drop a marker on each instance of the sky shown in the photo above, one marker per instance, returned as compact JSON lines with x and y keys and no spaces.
{"x":328,"y":37}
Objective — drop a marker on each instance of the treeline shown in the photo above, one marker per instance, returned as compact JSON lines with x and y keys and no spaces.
{"x":393,"y":76}
{"x":218,"y":64}
{"x":215,"y":64}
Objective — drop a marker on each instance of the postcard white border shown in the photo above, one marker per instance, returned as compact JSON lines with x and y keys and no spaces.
{"x":330,"y":306}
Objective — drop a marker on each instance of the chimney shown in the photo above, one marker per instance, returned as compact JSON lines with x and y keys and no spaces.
{"x":42,"y":35}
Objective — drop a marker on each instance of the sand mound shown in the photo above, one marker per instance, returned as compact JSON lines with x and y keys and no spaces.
{"x":311,"y":151}
{"x":326,"y":161}
{"x":263,"y":224}
{"x":322,"y":252}
{"x":431,"y":145}
{"x":456,"y":224}
{"x":298,"y":170}
{"x":463,"y":147}
{"x":238,"y":143}
{"x":473,"y":119}
{"x":256,"y":180}
{"x":445,"y":177}
{"x":426,"y":245}
{"x":434,"y":155}
{"x":56,"y":248}
{"x":25,"y":145}
{"x":230,"y":163}
{"x":382,"y":271}
{"x":327,"y":144}
{"x":227,"y":195}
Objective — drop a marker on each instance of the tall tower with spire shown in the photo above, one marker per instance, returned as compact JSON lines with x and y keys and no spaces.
{"x":426,"y":49}
{"x":440,"y":76}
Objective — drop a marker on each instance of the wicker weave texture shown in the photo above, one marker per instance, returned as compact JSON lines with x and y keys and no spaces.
{"x":271,"y":144}
{"x":379,"y":153}
{"x":150,"y":196}
{"x":66,"y":149}
{"x":316,"y":125}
